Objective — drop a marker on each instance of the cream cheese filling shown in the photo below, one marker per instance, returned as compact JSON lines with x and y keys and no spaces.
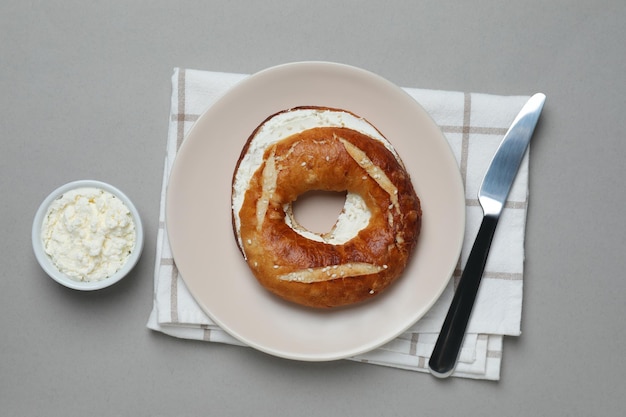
{"x":88,"y":234}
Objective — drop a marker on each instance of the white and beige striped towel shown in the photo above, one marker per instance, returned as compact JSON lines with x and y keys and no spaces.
{"x":474,"y":125}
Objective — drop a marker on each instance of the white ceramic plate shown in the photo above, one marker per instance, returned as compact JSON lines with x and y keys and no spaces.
{"x":198,"y":214}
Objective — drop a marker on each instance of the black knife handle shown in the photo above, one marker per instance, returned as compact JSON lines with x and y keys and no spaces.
{"x":446,"y":351}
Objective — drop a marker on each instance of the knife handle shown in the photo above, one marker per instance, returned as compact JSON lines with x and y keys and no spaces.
{"x":448,"y":345}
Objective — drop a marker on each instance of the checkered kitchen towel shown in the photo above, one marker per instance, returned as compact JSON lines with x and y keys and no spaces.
{"x":474,"y":125}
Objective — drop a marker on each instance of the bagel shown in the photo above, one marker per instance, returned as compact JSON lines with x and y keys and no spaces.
{"x":324,"y":149}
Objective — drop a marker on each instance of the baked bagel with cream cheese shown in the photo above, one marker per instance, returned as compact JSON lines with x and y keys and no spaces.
{"x":314,"y":148}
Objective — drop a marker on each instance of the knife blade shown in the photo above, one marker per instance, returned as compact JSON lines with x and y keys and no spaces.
{"x":492,"y":196}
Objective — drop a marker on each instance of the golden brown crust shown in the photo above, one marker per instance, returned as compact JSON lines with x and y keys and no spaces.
{"x":319,"y":274}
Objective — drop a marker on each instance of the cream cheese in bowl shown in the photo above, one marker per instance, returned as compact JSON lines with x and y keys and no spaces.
{"x":87,"y":235}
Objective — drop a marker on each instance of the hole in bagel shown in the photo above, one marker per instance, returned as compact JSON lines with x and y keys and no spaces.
{"x":318,"y":211}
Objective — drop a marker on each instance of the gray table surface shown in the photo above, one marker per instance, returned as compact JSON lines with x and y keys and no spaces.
{"x":85,"y":92}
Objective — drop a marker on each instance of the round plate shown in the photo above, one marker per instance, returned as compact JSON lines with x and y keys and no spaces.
{"x":198,"y":213}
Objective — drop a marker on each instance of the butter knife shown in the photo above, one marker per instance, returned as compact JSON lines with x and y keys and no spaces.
{"x":492,"y":195}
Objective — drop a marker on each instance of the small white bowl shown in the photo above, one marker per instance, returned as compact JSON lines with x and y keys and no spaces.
{"x":47,"y":264}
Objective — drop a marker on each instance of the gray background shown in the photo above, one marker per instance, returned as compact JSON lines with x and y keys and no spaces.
{"x":85,"y":93}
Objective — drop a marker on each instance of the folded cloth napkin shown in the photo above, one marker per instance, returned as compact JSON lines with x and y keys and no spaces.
{"x":474,"y":124}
